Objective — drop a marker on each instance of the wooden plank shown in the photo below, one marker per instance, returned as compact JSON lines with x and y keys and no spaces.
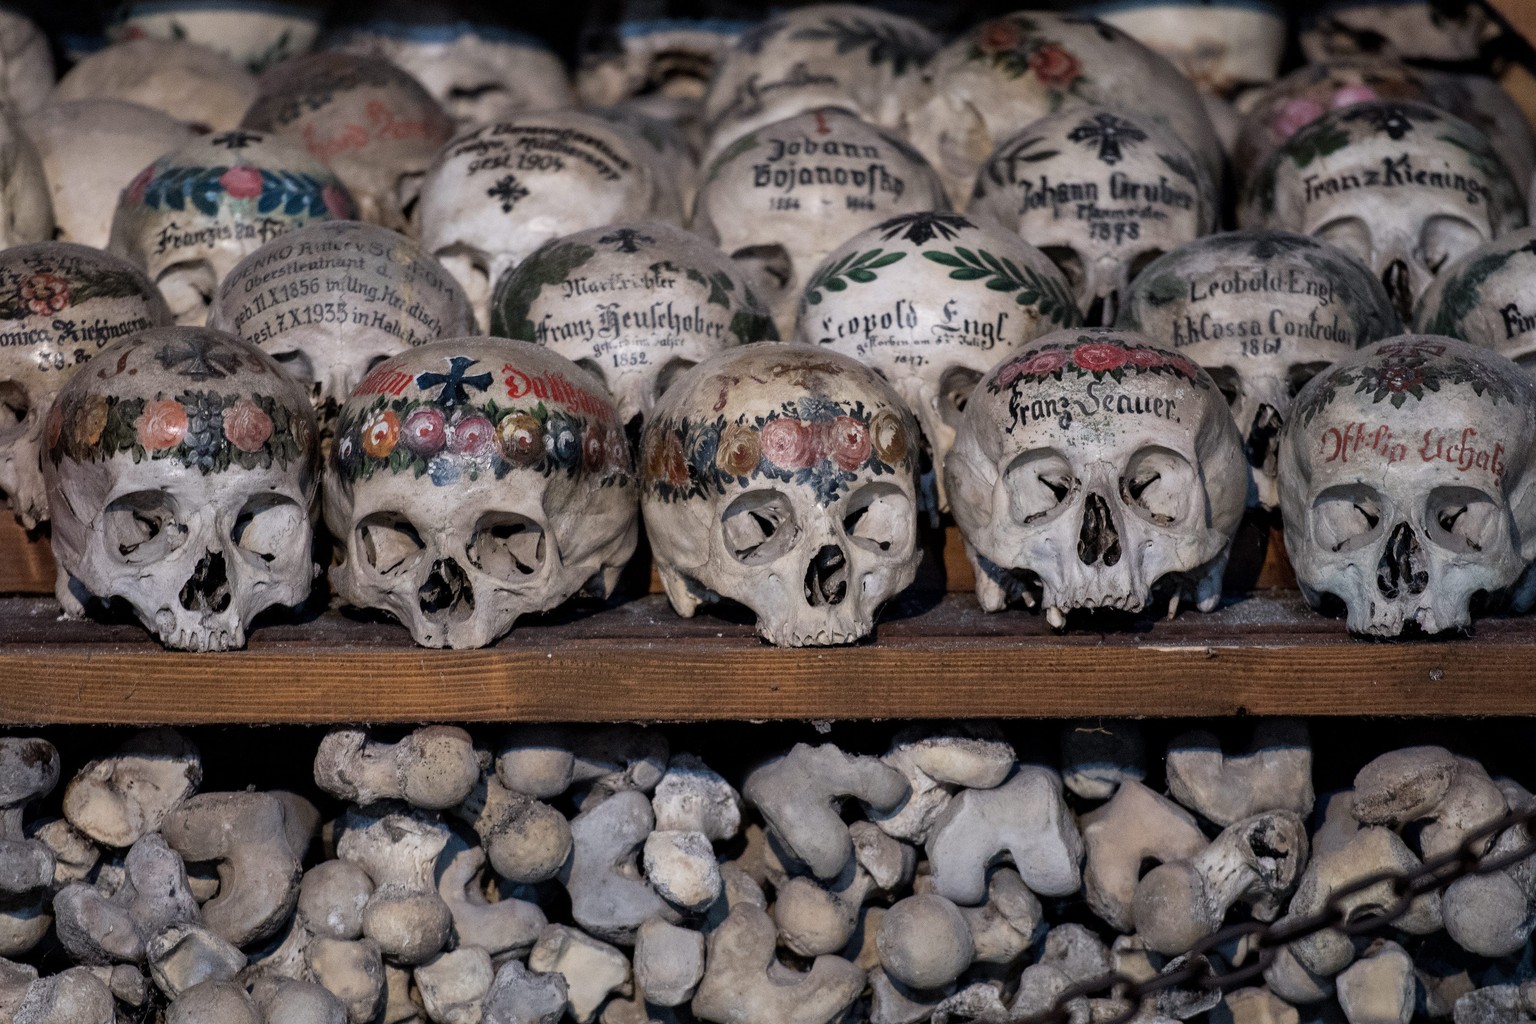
{"x":26,"y":560}
{"x":1520,"y":15}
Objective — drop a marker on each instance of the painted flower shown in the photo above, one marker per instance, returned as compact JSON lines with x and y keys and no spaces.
{"x":847,"y":442}
{"x":1099,"y":356}
{"x":1184,"y":366}
{"x":241,"y":182}
{"x":788,"y":443}
{"x":247,"y":425}
{"x":671,"y":464}
{"x":1000,"y":36}
{"x":425,"y":431}
{"x":618,"y":450}
{"x":54,"y":426}
{"x":381,"y":433}
{"x":562,"y":440}
{"x":1054,"y":66}
{"x":1144,"y":358}
{"x":1401,"y":377}
{"x":346,"y":453}
{"x":888,"y":434}
{"x":1294,"y":116}
{"x":140,"y":185}
{"x":594,"y":447}
{"x":90,"y":421}
{"x":1349,"y":95}
{"x":161,"y":425}
{"x":1041,"y":364}
{"x":337,"y":203}
{"x":473,"y":437}
{"x":443,"y":471}
{"x":521,"y":438}
{"x":739,"y":451}
{"x":45,"y":294}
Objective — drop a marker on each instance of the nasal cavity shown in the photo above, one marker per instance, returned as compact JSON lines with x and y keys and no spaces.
{"x":447,"y":591}
{"x":1402,"y":566}
{"x":1103,"y":310}
{"x":826,"y":581}
{"x":1097,"y":540}
{"x":1264,"y":440}
{"x":207,"y":589}
{"x":632,"y":431}
{"x":1395,"y":277}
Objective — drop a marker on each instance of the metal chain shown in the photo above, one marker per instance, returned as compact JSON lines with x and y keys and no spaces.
{"x":1433,"y":875}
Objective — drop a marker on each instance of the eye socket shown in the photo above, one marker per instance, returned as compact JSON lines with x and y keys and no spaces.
{"x":1140,"y":263}
{"x":955,"y":388}
{"x":880,"y":519}
{"x":768,"y":267}
{"x":1070,"y":264}
{"x":1301,"y":374}
{"x":674,"y":369}
{"x":759,"y":527}
{"x":390,"y":543}
{"x":1160,"y":486}
{"x":297,"y":365}
{"x":1228,"y":381}
{"x":1445,"y":240}
{"x":267,"y":526}
{"x":1462,"y":519}
{"x":142,"y":528}
{"x":1039,"y":484}
{"x":1349,"y":234}
{"x":1347,"y":517}
{"x":507,"y":546}
{"x":15,"y":406}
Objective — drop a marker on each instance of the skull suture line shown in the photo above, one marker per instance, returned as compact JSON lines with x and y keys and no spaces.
{"x":476,"y":480}
{"x":1406,"y":484}
{"x":182,"y":470}
{"x":1093,"y":467}
{"x":1488,"y":297}
{"x":783,"y":478}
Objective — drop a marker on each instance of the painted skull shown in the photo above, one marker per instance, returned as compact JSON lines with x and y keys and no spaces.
{"x":192,"y":215}
{"x":497,"y":193}
{"x":370,"y":121}
{"x":254,"y":33}
{"x":60,"y":304}
{"x":182,"y":471}
{"x":331,"y":300}
{"x":1223,"y":47}
{"x":1405,"y":187}
{"x":1263,"y":312}
{"x":783,"y":478}
{"x":781,"y":198}
{"x":635,"y":305}
{"x":931,"y":302}
{"x":663,"y":66}
{"x":1406,"y":484}
{"x":474,"y":481}
{"x":1095,"y":469}
{"x":1102,"y":194}
{"x":1488,"y":297}
{"x":1005,"y":73}
{"x":191,"y":83}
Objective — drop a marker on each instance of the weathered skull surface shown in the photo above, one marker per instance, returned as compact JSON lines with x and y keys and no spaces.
{"x":182,"y":471}
{"x":1407,"y":29}
{"x":474,"y":481}
{"x":1093,"y":469}
{"x":781,"y":198}
{"x":932,"y":301}
{"x":1102,"y":194}
{"x":254,"y":33}
{"x":633,"y":304}
{"x":370,"y":121}
{"x":499,"y":192}
{"x":664,"y":67}
{"x":191,"y":83}
{"x":1222,"y":47}
{"x":1406,"y":483}
{"x":61,"y":304}
{"x":193,"y":214}
{"x":26,"y":212}
{"x":783,"y":478}
{"x":991,"y":82}
{"x":852,"y":56}
{"x":1483,"y":103}
{"x":1263,"y":312}
{"x":1488,"y":297}
{"x":331,"y":300}
{"x":91,"y":150}
{"x":1405,"y":187}
{"x":672,"y":157}
{"x":26,"y":63}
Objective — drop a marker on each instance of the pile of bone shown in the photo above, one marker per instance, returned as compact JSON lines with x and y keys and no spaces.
{"x":595,"y":875}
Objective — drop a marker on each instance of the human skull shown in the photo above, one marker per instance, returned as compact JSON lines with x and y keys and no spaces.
{"x":1263,"y":312}
{"x":1222,"y":47}
{"x":1443,"y":31}
{"x":1003,"y":74}
{"x":1488,"y":297}
{"x":26,"y":212}
{"x":374,"y":124}
{"x":91,"y":150}
{"x":1483,"y":103}
{"x":1406,"y":484}
{"x":193,"y":214}
{"x":635,"y":305}
{"x":1094,"y":469}
{"x":191,"y":83}
{"x":666,"y":147}
{"x":253,"y":33}
{"x":1102,"y":194}
{"x":26,"y":63}
{"x":60,"y":304}
{"x":660,"y":67}
{"x":781,"y":198}
{"x":852,"y":56}
{"x":500,"y":191}
{"x":1405,"y":187}
{"x":182,"y":472}
{"x":474,"y":481}
{"x":785,"y":479}
{"x":331,"y":300}
{"x":931,"y":301}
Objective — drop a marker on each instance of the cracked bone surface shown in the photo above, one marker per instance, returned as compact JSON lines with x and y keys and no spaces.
{"x":1137,"y":825}
{"x":434,"y":767}
{"x":1273,"y":774}
{"x":125,"y":796}
{"x":744,"y":983}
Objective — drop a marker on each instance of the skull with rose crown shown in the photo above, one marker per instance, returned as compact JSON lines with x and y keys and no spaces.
{"x":1488,"y":297}
{"x":474,"y":481}
{"x":783,"y":478}
{"x":931,"y":302}
{"x":1263,"y":312}
{"x":182,"y":469}
{"x":1407,"y":485}
{"x":193,"y":214}
{"x":1102,"y":194}
{"x":1405,"y":187}
{"x":60,"y":304}
{"x":1095,"y":469}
